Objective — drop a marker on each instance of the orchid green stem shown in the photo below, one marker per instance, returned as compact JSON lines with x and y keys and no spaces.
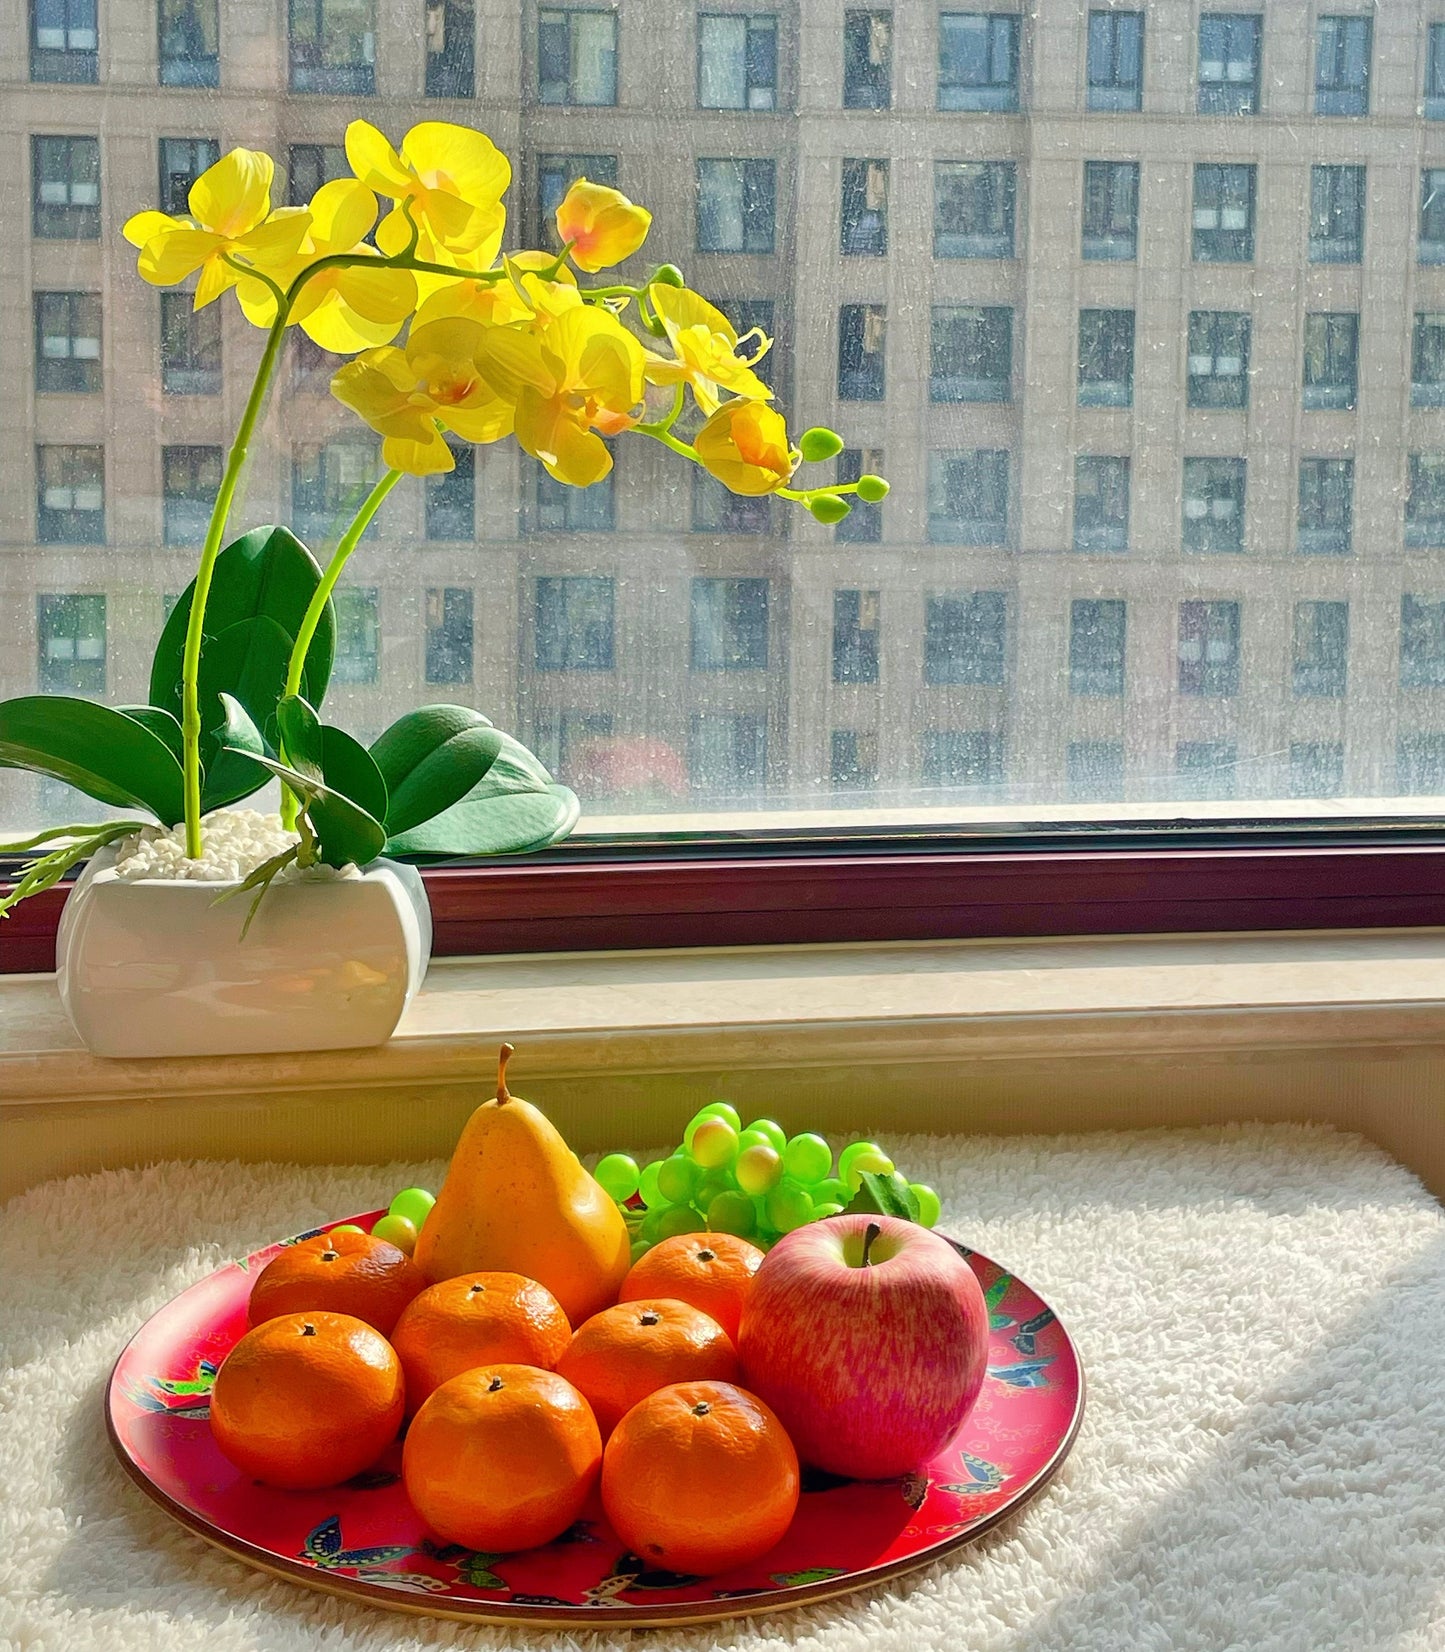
{"x":661,"y":434}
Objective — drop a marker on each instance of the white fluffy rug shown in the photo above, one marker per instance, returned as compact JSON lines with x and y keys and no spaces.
{"x":1261,"y":1313}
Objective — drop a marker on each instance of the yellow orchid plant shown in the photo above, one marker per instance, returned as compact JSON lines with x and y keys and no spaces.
{"x":495,"y":345}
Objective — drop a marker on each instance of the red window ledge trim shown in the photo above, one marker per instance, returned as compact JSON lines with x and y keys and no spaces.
{"x":769,"y":899}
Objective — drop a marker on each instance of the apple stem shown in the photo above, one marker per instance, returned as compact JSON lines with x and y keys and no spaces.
{"x":503,"y":1093}
{"x":870,"y":1234}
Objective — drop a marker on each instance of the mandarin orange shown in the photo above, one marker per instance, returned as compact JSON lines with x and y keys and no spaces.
{"x":501,"y":1457}
{"x":700,"y":1477}
{"x":339,"y":1273}
{"x":626,"y":1352}
{"x":307,"y":1400}
{"x":477,"y":1319}
{"x":712,"y":1272}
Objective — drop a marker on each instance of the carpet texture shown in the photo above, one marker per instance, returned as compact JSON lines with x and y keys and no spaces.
{"x":1261,"y":1314}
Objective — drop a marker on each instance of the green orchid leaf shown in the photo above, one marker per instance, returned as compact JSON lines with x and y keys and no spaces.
{"x":300,"y":735}
{"x":238,"y":732}
{"x":492,"y":822}
{"x":332,"y":756}
{"x":100,"y":751}
{"x":431,"y":759}
{"x":161,"y":724}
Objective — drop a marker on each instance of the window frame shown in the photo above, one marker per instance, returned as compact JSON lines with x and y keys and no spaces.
{"x":1115,"y":94}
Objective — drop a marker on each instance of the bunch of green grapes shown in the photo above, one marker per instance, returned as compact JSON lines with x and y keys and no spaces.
{"x":754,"y":1181}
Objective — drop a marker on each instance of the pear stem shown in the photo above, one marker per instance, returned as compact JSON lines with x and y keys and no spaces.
{"x":503,"y":1093}
{"x":870,"y":1234}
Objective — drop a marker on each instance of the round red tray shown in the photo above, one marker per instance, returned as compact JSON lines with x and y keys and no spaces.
{"x":363,"y":1541}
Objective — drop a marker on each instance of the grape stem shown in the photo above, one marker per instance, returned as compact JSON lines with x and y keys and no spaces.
{"x":504,"y":1095}
{"x":872,"y":1232}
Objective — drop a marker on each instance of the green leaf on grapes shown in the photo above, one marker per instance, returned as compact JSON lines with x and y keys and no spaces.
{"x":888,"y":1195}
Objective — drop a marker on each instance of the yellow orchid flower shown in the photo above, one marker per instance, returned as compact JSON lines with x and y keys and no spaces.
{"x":436,"y":381}
{"x":705,"y":346}
{"x":230,"y":214}
{"x":347,"y":308}
{"x":580,"y":374}
{"x":452,"y":180}
{"x":745,"y":445}
{"x":601,"y":224}
{"x":501,"y":303}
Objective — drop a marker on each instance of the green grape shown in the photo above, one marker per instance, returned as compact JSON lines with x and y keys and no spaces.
{"x":808,"y":1159}
{"x":676,"y":1178}
{"x":678,"y":1219}
{"x":714,"y":1143}
{"x":723,"y":1110}
{"x":930,"y":1207}
{"x":754,"y":1138}
{"x":617,"y":1175}
{"x":396,"y":1230}
{"x":346,"y":1227}
{"x":789,"y":1206}
{"x":851,"y":1152}
{"x":650,"y":1230}
{"x":758,"y":1168}
{"x":774,"y":1132}
{"x":414,"y":1203}
{"x":833,"y":1191}
{"x":647,"y":1184}
{"x":829,"y":1208}
{"x":640,"y":1248}
{"x":875,"y":1160}
{"x":732,"y":1213}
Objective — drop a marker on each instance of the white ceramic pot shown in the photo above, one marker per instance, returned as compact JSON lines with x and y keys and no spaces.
{"x":155,"y":967}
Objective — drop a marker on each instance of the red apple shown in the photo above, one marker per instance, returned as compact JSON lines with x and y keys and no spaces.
{"x":872,"y":1353}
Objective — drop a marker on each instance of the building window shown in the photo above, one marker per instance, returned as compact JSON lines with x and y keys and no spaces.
{"x":1106,"y":358}
{"x":449,"y":634}
{"x":70,"y":503}
{"x":358,"y":635}
{"x":451,"y":49}
{"x":1425,"y":500}
{"x":855,"y":636}
{"x":555,"y":176}
{"x":978,"y":61}
{"x":309,"y":165}
{"x":1422,"y":643}
{"x":1205,"y":769}
{"x":1337,"y":214}
{"x":863,"y":525}
{"x":1432,"y":215}
{"x":1097,"y":629}
{"x":190,"y":478}
{"x":63,"y":42}
{"x":867,"y":59}
{"x":190,"y":42}
{"x":1228,"y":64}
{"x":1209,"y":649}
{"x":66,"y":182}
{"x":1095,"y":771}
{"x":1214,"y":504}
{"x":1116,"y":60}
{"x":716,"y":509}
{"x":183,"y":160}
{"x":735,"y":205}
{"x":67,"y":342}
{"x":728,"y":753}
{"x":1331,"y":360}
{"x":737,"y":61}
{"x":333,"y":46}
{"x":1218,"y":359}
{"x":190,"y":347}
{"x":965,"y":635}
{"x":451,"y":497}
{"x":1223,"y":214}
{"x":562,"y":508}
{"x":1111,"y":210}
{"x":962,"y":757}
{"x":1326,"y":506}
{"x":1321,"y":649}
{"x":1316,"y":768}
{"x":574,"y":624}
{"x":968,"y":497}
{"x":862,"y":332}
{"x":1101,"y":502}
{"x":1427,"y":360}
{"x":577,"y":57}
{"x":729,"y":624}
{"x":1342,"y":65}
{"x":865,"y":208}
{"x":972,"y":354}
{"x":1435,"y":73}
{"x":852,"y":759}
{"x":328,"y":484}
{"x":71,"y":630}
{"x":973,"y":209}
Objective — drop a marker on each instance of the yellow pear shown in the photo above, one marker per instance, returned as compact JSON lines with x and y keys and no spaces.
{"x":516,"y":1198}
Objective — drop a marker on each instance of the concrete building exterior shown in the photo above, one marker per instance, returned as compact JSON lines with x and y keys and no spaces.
{"x":952,"y":285}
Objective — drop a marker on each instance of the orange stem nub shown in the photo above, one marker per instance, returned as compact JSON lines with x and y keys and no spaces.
{"x":507,"y":1052}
